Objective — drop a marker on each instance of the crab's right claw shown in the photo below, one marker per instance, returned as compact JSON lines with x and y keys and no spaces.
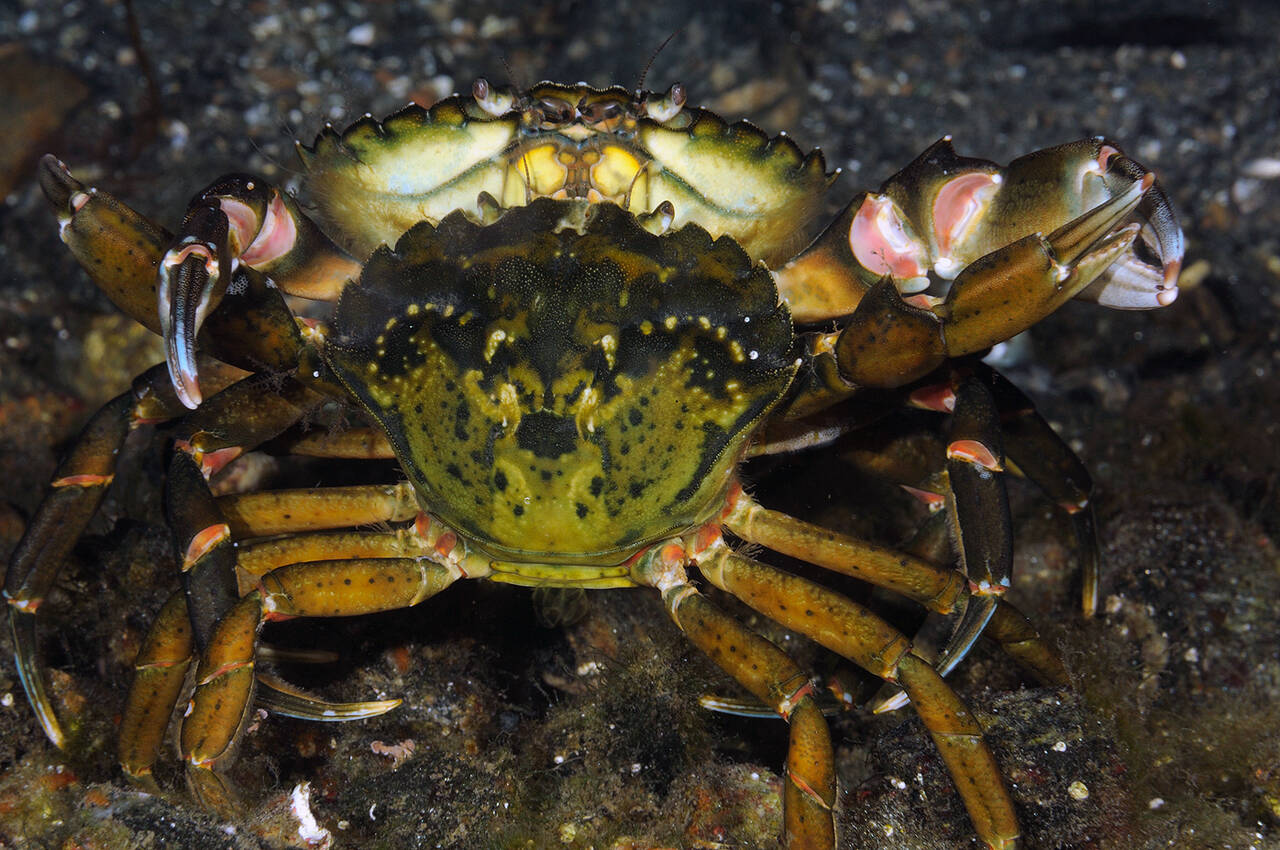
{"x":192,"y":280}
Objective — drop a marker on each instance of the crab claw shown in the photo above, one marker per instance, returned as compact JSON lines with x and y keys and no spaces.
{"x":192,"y":280}
{"x":1146,"y":276}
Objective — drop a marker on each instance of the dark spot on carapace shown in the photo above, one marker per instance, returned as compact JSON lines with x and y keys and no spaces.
{"x":461,"y":420}
{"x":547,"y":435}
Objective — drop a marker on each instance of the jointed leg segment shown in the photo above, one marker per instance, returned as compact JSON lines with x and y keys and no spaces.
{"x":845,"y":628}
{"x":76,"y":491}
{"x":809,"y":794}
{"x":979,"y":506}
{"x":939,"y":589}
{"x":853,"y":632}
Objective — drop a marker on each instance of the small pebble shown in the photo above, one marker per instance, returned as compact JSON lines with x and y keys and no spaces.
{"x":361,"y":34}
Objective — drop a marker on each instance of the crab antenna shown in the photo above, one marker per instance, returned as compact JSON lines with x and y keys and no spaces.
{"x":511,"y":76}
{"x":645,"y":72}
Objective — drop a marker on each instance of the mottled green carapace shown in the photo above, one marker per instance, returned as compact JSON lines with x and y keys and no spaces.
{"x":562,"y":382}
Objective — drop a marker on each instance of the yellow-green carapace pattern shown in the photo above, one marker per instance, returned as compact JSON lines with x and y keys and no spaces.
{"x":562,"y":382}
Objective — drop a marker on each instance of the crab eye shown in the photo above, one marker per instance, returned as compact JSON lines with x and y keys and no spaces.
{"x":554,"y":111}
{"x":667,"y":107}
{"x":494,"y":102}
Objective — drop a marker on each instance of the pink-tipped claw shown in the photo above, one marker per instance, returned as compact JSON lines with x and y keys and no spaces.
{"x":881,"y":241}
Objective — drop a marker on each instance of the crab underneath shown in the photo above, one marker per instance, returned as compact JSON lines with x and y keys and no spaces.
{"x":570,"y":314}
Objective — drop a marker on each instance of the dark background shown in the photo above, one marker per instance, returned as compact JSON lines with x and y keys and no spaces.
{"x":1171,"y":731}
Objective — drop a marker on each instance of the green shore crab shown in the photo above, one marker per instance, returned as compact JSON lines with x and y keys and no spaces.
{"x":570,"y":314}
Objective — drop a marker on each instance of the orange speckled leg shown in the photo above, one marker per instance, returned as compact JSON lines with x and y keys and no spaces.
{"x":225,"y":678}
{"x":936,"y":588}
{"x":257,"y":558}
{"x":161,"y":665}
{"x":1035,"y":450}
{"x":273,"y":512}
{"x":773,"y":678}
{"x":854,"y":632}
{"x":158,"y":674}
{"x":75,"y":492}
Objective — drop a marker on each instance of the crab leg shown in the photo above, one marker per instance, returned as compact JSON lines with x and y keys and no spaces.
{"x":261,"y":557}
{"x":855,"y":633}
{"x":241,"y":416}
{"x":270,"y":512}
{"x":159,"y":671}
{"x":809,"y":794}
{"x":238,"y":219}
{"x":225,"y":679}
{"x":361,"y":443}
{"x":1036,"y":451}
{"x":940,"y":590}
{"x":162,"y":662}
{"x":979,"y":508}
{"x":1033,"y":450}
{"x":76,"y":491}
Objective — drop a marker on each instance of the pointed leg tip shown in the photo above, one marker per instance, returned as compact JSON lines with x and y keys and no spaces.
{"x":57,"y":183}
{"x":22,"y":625}
{"x":1005,"y":843}
{"x":52,"y":729}
{"x":977,"y":613}
{"x":890,"y":702}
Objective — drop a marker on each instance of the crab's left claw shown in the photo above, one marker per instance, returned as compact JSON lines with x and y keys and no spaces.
{"x":1078,"y":220}
{"x":1146,"y":276}
{"x":1009,"y":246}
